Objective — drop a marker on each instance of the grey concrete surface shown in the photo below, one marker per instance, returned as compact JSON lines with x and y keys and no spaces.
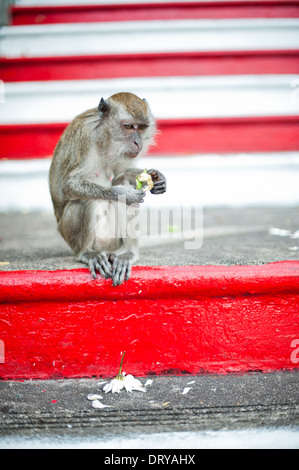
{"x":61,"y":408}
{"x":230,"y":236}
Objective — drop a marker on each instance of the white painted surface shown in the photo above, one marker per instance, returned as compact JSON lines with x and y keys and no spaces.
{"x":263,"y":438}
{"x":169,"y":97}
{"x":148,"y":36}
{"x":211,"y":180}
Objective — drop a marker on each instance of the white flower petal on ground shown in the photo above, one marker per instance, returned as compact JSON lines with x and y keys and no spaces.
{"x":130,"y":384}
{"x":98,"y":404}
{"x":295,"y":234}
{"x":148,"y":382}
{"x":280,"y":232}
{"x":114,"y":386}
{"x":124,"y":381}
{"x":186,"y":390}
{"x":93,"y":396}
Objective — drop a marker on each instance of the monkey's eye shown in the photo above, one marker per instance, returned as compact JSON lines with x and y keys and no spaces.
{"x":142,"y":127}
{"x":128,"y":126}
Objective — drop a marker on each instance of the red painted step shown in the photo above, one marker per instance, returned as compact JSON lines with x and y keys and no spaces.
{"x":176,"y":137}
{"x":22,"y":15}
{"x":149,"y":65}
{"x":192,"y":319}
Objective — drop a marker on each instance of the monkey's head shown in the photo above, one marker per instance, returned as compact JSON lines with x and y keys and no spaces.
{"x":130,"y":123}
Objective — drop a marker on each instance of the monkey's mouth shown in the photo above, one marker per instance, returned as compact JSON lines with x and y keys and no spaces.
{"x":131,"y":154}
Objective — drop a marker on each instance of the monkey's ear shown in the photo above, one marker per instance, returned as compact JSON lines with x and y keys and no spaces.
{"x":104,"y":107}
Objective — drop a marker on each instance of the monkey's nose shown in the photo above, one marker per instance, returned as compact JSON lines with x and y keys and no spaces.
{"x":137,"y":141}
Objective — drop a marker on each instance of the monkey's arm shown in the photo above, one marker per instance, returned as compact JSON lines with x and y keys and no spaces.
{"x":128,"y":177}
{"x":78,"y":187}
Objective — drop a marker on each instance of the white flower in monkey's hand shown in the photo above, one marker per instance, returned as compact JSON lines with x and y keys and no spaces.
{"x":142,"y":178}
{"x":123,"y":381}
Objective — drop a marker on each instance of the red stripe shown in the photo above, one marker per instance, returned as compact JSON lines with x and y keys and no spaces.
{"x":176,"y":137}
{"x":149,"y":65}
{"x":147,"y":12}
{"x":209,"y":318}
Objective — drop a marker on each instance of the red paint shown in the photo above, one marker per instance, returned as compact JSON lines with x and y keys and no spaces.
{"x":29,"y":140}
{"x":225,"y":135}
{"x":176,"y":137}
{"x":149,"y":65}
{"x":208,"y":319}
{"x":154,"y":11}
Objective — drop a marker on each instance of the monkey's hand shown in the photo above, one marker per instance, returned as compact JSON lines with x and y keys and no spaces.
{"x":130,"y":195}
{"x":159,"y":181}
{"x":122,"y":265}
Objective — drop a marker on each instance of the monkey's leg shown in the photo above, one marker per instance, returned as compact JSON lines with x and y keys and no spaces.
{"x":78,"y":227}
{"x":128,"y":232}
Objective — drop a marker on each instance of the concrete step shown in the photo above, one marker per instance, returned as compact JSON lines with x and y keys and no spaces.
{"x":57,"y":413}
{"x":225,"y":307}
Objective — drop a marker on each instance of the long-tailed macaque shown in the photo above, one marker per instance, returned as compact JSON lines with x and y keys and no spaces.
{"x":93,"y":183}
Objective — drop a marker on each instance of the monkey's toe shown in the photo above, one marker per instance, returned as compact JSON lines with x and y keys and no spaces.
{"x":97,"y":262}
{"x":121,"y":271}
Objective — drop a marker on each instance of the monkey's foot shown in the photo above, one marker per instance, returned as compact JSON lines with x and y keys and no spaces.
{"x":122,"y":265}
{"x":97,"y":262}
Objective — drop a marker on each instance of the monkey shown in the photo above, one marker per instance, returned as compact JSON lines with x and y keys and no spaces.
{"x":92,"y":182}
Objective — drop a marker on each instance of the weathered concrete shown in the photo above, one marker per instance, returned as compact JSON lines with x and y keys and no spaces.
{"x":230,"y":236}
{"x":61,"y":407}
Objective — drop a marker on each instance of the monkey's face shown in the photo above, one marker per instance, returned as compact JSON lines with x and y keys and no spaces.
{"x":129,"y":122}
{"x":133,"y":133}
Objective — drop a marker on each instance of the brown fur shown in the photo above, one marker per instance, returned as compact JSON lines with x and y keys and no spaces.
{"x":134,"y":105}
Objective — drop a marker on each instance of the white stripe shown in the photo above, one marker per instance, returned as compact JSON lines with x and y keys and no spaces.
{"x":149,"y":36}
{"x":169,"y":97}
{"x":208,"y":180}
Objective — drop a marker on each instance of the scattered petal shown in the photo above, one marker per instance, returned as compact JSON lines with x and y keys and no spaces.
{"x":148,"y":382}
{"x":295,"y":234}
{"x":186,"y":390}
{"x":130,"y":384}
{"x":280,"y":232}
{"x":166,"y":403}
{"x":293,"y":248}
{"x":192,"y":382}
{"x":98,"y":404}
{"x":93,"y":396}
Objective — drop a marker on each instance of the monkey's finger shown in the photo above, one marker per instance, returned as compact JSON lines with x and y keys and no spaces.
{"x":128,"y":271}
{"x":159,"y":184}
{"x":119,"y":271}
{"x":160,"y":190}
{"x":154,"y":174}
{"x":92,"y":268}
{"x":104,"y":265}
{"x":103,"y":270}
